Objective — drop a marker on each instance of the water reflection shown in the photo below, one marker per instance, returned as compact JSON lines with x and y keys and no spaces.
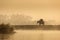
{"x":32,"y":35}
{"x":6,"y":36}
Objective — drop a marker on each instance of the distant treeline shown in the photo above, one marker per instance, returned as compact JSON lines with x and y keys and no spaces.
{"x":7,"y":28}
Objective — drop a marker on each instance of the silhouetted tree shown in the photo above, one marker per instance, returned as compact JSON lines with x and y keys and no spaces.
{"x":41,"y":22}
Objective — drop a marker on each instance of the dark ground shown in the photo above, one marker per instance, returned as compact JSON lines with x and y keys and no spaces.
{"x":37,"y":27}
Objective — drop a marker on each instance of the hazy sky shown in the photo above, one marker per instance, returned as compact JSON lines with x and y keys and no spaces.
{"x":46,"y":9}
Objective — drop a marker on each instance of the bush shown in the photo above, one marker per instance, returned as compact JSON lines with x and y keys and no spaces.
{"x":5,"y":28}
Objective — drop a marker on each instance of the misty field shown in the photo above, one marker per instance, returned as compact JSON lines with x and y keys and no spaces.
{"x":33,"y":32}
{"x":32,"y":35}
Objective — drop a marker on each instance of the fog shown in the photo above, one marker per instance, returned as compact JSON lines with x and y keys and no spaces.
{"x":49,"y":10}
{"x":22,"y":20}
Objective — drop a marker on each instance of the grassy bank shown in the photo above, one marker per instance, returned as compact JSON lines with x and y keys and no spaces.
{"x":32,"y":27}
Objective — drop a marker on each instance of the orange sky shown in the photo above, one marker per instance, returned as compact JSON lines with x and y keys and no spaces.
{"x":46,"y":9}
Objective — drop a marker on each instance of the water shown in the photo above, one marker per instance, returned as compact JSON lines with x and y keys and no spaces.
{"x":32,"y":35}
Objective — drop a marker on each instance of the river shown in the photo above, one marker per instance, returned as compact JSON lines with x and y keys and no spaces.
{"x":32,"y":35}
